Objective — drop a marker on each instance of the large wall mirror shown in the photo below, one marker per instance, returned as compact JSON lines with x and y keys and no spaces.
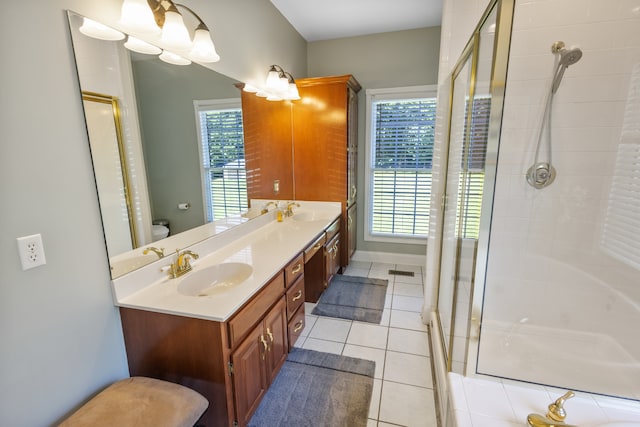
{"x":158,"y":169}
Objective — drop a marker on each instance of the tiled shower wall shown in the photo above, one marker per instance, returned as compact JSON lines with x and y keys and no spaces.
{"x":595,"y":131}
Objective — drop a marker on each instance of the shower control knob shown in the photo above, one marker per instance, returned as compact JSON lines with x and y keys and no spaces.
{"x":541,"y":175}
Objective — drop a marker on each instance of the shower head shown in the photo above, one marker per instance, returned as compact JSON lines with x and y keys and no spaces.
{"x":570,"y":56}
{"x":567,"y":57}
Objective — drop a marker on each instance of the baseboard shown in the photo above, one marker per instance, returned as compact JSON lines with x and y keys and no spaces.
{"x":390,"y":258}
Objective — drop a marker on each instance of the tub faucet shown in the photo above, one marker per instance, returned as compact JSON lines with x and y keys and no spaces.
{"x":555,"y":415}
{"x":182,"y":264}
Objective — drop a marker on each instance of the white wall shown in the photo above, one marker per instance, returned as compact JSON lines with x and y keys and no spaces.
{"x":61,"y":336}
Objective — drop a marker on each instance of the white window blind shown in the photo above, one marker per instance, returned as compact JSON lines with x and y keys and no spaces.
{"x":470,"y":189}
{"x":222,"y":157}
{"x":401,"y":141}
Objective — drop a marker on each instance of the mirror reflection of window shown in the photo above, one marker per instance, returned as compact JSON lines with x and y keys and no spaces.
{"x":222,"y":160}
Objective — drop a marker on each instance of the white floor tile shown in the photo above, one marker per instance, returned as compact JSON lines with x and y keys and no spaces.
{"x":408,"y":369}
{"x":367,"y":353}
{"x":361,"y":272}
{"x":308,"y":308}
{"x":408,"y":341}
{"x":374,"y":407}
{"x":407,"y":303}
{"x":309,"y":321}
{"x":414,"y":280}
{"x":372,"y":423}
{"x":322,"y":345}
{"x":386,"y":317}
{"x":408,"y":290}
{"x":362,"y":265}
{"x":300,"y":342}
{"x":406,"y":405}
{"x":368,"y":335}
{"x":330,"y":329}
{"x":407,"y":320}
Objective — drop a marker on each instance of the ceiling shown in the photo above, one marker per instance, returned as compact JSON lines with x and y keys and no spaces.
{"x":330,"y":19}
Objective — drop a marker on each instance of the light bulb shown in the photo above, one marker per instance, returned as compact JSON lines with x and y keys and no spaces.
{"x":172,"y":58}
{"x":174,"y":34}
{"x":203,"y":48}
{"x":141,"y":46}
{"x":100,"y":31}
{"x":137,"y":17}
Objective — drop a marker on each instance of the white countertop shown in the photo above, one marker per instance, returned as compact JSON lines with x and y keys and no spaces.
{"x":266,"y":245}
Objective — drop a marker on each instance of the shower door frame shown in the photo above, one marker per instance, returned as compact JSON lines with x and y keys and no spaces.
{"x":502,"y":40}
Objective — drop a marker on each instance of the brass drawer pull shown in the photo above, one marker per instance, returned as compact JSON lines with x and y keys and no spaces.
{"x":297,"y":269}
{"x":298,"y":326}
{"x":266,"y":346}
{"x":270,"y":334}
{"x":318,"y":245}
{"x":297,"y":296}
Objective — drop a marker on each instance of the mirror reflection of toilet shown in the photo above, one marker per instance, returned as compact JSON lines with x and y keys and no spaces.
{"x":160,"y":229}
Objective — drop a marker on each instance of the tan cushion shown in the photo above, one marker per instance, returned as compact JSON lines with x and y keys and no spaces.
{"x":141,"y":401}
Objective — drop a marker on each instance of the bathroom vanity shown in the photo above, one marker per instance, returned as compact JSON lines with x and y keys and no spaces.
{"x":229,"y":340}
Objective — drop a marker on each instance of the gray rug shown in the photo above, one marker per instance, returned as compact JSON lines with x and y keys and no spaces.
{"x":352,"y":297}
{"x":317,"y":389}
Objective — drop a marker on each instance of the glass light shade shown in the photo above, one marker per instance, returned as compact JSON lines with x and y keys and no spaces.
{"x":137,"y":17}
{"x":203,"y":48}
{"x":262,"y":94}
{"x":172,"y":58}
{"x":292,"y":92}
{"x":100,"y":31}
{"x":272,"y":79}
{"x":273,"y":97}
{"x":174,"y":33}
{"x":141,"y":46}
{"x":249,"y":88}
{"x":282,"y":84}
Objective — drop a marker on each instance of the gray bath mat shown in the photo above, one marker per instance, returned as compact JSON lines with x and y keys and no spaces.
{"x":353,"y":297}
{"x":317,"y":389}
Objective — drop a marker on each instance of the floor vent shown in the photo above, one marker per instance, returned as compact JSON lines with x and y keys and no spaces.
{"x":401,"y":273}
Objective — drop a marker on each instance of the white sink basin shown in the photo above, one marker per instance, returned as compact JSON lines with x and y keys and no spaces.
{"x":215,"y":279}
{"x":312,"y":216}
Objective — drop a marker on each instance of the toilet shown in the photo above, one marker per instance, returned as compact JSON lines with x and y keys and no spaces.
{"x":159,"y":232}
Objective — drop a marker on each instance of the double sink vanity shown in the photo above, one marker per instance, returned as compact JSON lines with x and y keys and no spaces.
{"x":225,"y":327}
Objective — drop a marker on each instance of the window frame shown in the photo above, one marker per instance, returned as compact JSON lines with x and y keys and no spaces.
{"x":208,"y":105}
{"x":398,"y":93}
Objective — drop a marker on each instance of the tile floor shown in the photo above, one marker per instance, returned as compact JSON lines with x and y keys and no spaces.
{"x":403,"y":385}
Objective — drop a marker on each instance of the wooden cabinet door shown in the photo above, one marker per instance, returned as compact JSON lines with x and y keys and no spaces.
{"x":275,"y":328}
{"x":249,"y":375}
{"x":332,"y":258}
{"x":352,"y":146}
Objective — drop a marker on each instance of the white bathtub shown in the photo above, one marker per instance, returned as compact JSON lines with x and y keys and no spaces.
{"x":562,"y":328}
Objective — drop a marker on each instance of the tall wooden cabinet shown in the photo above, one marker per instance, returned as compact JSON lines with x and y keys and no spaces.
{"x":322,"y":151}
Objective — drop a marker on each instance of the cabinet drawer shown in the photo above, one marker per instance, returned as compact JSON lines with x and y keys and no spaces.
{"x":296,"y":326}
{"x":294,"y":269}
{"x":333,"y":229}
{"x":311,"y":250}
{"x":295,"y":297}
{"x":255,"y":309}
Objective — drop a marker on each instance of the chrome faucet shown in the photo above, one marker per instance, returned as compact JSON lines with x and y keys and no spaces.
{"x":265,"y":208}
{"x":289,"y":211}
{"x":182,"y":264}
{"x":555,"y":415}
{"x":159,"y":252}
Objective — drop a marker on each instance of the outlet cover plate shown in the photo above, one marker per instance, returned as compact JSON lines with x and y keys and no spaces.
{"x":31,"y":251}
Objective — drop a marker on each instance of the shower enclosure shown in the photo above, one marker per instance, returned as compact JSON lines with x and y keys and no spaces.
{"x":548,"y":290}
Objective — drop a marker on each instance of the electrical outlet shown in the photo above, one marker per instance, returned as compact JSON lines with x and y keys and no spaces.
{"x":31,"y":251}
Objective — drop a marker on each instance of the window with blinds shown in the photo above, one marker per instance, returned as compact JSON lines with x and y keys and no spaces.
{"x":222,"y":157}
{"x":402,"y":135}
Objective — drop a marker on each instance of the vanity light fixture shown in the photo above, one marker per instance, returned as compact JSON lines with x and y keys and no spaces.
{"x":141,"y":46}
{"x":279,"y":86}
{"x":163,"y":17}
{"x":100,"y":31}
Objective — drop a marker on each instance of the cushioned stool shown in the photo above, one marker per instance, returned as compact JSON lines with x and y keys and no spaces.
{"x":141,"y":401}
